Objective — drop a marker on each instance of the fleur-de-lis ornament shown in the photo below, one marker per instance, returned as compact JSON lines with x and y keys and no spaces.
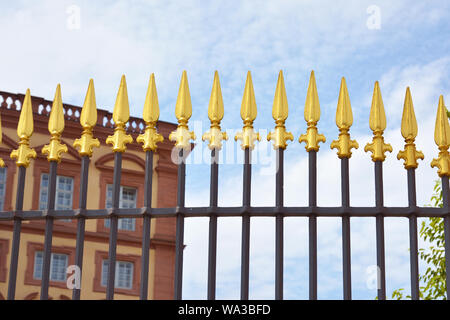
{"x":377,"y":123}
{"x":312,"y":116}
{"x":248,"y":115}
{"x":25,"y":128}
{"x":442,"y":139}
{"x":121,"y":114}
{"x":183,"y":111}
{"x":344,"y":120}
{"x":55,"y":149}
{"x":280,"y":113}
{"x":409,"y":132}
{"x":88,"y":119}
{"x":150,"y":137}
{"x":215,"y":115}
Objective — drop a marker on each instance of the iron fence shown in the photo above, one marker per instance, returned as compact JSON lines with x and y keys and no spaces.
{"x":182,"y":138}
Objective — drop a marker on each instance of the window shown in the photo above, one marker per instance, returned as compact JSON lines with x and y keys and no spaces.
{"x":127,"y":200}
{"x":64,"y":193}
{"x":58,"y":266}
{"x":2,"y":187}
{"x":124,"y":274}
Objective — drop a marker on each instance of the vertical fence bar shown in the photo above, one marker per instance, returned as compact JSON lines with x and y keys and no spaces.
{"x":346,"y":251}
{"x":245,"y":252}
{"x":446,"y":205}
{"x":85,"y":160}
{"x":413,"y":251}
{"x":379,"y":202}
{"x":146,"y":225}
{"x":279,"y":228}
{"x":114,"y":221}
{"x":312,"y":226}
{"x":16,"y":235}
{"x":179,"y":246}
{"x":212,"y":240}
{"x":48,"y":231}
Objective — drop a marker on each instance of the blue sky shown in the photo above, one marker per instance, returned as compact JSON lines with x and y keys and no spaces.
{"x":136,"y":38}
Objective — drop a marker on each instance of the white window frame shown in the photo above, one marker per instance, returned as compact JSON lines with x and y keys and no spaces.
{"x":123,"y":222}
{"x":39,"y":266}
{"x":43,"y":194}
{"x":119,"y":277}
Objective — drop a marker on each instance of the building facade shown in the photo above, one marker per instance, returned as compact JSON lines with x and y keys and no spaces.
{"x":93,"y":286}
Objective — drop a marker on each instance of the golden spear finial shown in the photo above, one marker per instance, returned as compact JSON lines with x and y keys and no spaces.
{"x":121,"y":114}
{"x":215,"y":114}
{"x":312,"y":116}
{"x":25,"y":129}
{"x":409,"y":132}
{"x":442,"y":139}
{"x":88,"y":119}
{"x":280,"y":113}
{"x":55,"y":149}
{"x":248,"y":115}
{"x":377,"y":123}
{"x":344,"y":120}
{"x":150,"y":137}
{"x":2,"y":163}
{"x":183,"y":111}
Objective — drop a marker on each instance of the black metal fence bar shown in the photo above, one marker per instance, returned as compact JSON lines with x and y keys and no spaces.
{"x":279,"y":230}
{"x":245,"y":251}
{"x":48,"y":231}
{"x":346,"y":251}
{"x":212,"y":238}
{"x":114,"y":223}
{"x":16,"y":235}
{"x":312,"y":225}
{"x":146,"y":228}
{"x":179,"y":238}
{"x":381,"y":280}
{"x":81,"y":223}
{"x":446,"y":205}
{"x":413,"y":246}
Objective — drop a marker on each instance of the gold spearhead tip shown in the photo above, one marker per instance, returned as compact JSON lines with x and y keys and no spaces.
{"x":121,"y":112}
{"x":24,"y":153}
{"x":442,"y":139}
{"x":25,"y":126}
{"x":280,"y":103}
{"x":216,"y":108}
{"x":88,"y":117}
{"x":312,"y":116}
{"x":151,"y":105}
{"x":344,"y":115}
{"x":215,"y":114}
{"x":56,"y":120}
{"x":183,"y":107}
{"x":312,"y":105}
{"x":377,"y":115}
{"x":248,"y":106}
{"x":344,"y":119}
{"x":409,"y":131}
{"x":150,"y":138}
{"x":248,"y":114}
{"x":280,"y":113}
{"x":409,"y":122}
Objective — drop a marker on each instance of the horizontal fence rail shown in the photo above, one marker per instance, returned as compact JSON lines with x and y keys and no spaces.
{"x":181,"y":138}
